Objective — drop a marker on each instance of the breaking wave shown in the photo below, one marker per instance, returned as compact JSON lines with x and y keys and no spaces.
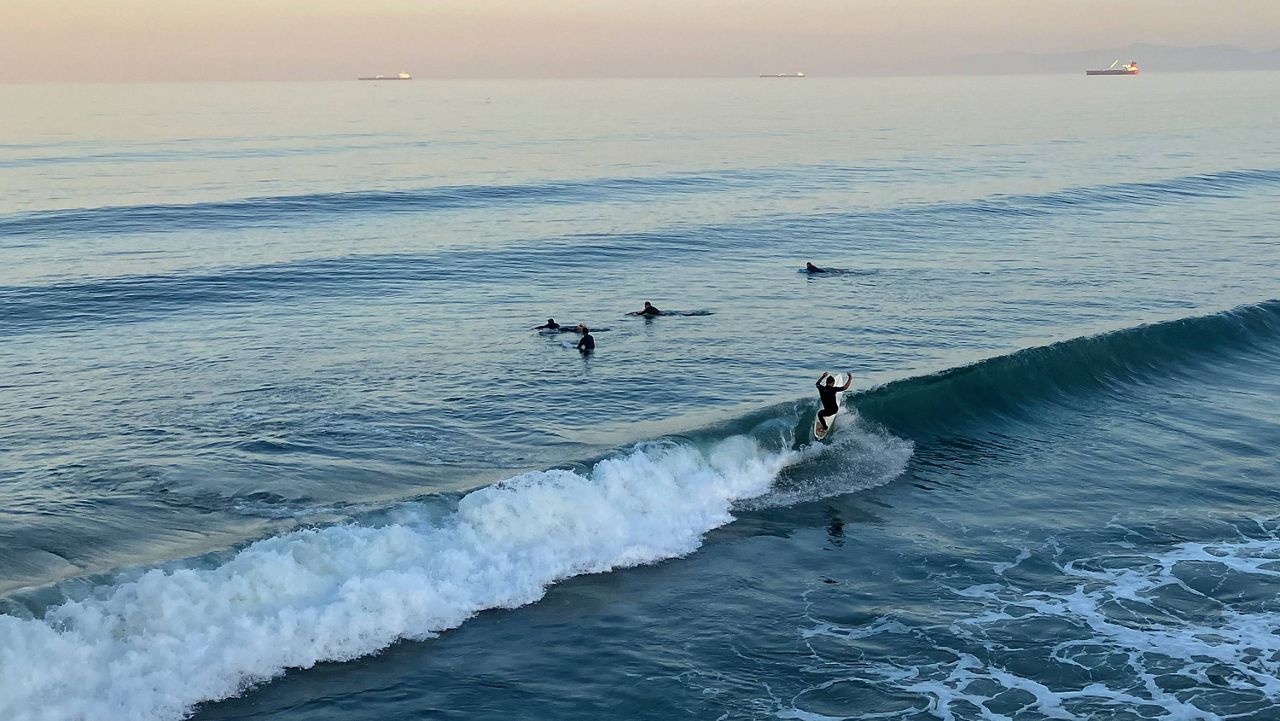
{"x":155,"y":646}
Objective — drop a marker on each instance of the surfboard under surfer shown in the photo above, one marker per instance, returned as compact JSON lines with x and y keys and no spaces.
{"x":827,"y":392}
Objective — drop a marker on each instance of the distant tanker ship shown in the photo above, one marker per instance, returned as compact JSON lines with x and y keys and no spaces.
{"x":782,"y":75}
{"x":1129,"y":68}
{"x":401,"y":76}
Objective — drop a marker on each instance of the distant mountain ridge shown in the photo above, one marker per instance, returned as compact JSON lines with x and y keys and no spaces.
{"x":1152,"y":58}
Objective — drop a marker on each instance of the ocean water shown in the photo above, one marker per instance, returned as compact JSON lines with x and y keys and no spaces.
{"x":278,"y":441}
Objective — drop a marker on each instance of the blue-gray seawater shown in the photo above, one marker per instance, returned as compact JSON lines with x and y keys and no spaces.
{"x":278,"y":441}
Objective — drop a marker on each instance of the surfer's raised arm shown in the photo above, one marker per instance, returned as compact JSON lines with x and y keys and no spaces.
{"x":819,"y":383}
{"x":848,"y":381}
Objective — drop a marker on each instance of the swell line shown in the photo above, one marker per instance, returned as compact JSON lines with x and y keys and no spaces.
{"x":286,"y":210}
{"x":1157,"y":192}
{"x":1095,"y":199}
{"x":283,"y":210}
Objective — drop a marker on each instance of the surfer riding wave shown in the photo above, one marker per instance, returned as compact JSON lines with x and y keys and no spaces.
{"x":827,"y":392}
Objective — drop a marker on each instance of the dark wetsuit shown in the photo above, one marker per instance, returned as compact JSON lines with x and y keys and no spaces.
{"x":828,"y":395}
{"x":650,"y":312}
{"x":549,"y":326}
{"x":586,"y":343}
{"x":829,"y":403}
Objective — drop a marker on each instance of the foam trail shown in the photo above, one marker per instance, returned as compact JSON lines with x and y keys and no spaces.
{"x":155,"y":647}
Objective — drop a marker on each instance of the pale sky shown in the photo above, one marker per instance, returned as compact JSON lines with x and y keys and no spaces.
{"x":162,"y":40}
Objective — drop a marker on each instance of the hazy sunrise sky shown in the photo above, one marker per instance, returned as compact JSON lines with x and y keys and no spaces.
{"x":145,"y":40}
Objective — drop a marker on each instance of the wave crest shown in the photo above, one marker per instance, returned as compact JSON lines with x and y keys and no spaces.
{"x":1013,"y":385}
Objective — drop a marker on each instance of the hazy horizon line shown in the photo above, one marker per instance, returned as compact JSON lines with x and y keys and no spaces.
{"x":753,"y":76}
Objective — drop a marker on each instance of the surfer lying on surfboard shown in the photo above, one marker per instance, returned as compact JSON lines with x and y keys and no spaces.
{"x":647,"y":311}
{"x":827,"y":391}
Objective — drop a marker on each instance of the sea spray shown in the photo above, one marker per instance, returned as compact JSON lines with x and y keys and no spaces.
{"x":857,"y":456}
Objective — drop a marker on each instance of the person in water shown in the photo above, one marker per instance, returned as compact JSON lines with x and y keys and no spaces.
{"x":648,"y":311}
{"x":827,"y":392}
{"x":550,"y":325}
{"x":811,"y":268}
{"x":586,"y":343}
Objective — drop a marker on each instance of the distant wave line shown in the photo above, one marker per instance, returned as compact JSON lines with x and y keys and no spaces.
{"x":286,"y":210}
{"x":281,"y":210}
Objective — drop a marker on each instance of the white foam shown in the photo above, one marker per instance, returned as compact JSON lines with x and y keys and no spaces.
{"x":154,"y":647}
{"x":1127,"y":631}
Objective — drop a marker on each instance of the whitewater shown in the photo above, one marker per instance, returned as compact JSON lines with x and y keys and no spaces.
{"x":153,"y":647}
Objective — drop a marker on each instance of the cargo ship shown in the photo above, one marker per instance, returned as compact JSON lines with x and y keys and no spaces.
{"x":782,"y":75}
{"x":400,"y":76}
{"x":1129,"y":68}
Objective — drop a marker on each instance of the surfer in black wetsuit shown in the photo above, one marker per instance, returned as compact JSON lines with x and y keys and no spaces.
{"x":649,"y":310}
{"x":811,"y":268}
{"x":550,"y":325}
{"x":586,"y":343}
{"x":827,"y":392}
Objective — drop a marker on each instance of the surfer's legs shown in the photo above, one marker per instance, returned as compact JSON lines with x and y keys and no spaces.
{"x":822,"y":417}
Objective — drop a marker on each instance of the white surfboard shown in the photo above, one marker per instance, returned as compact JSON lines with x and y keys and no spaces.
{"x":818,"y":432}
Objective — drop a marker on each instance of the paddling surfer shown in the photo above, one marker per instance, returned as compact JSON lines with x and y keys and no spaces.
{"x":648,"y":311}
{"x":827,"y":392}
{"x":550,"y":325}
